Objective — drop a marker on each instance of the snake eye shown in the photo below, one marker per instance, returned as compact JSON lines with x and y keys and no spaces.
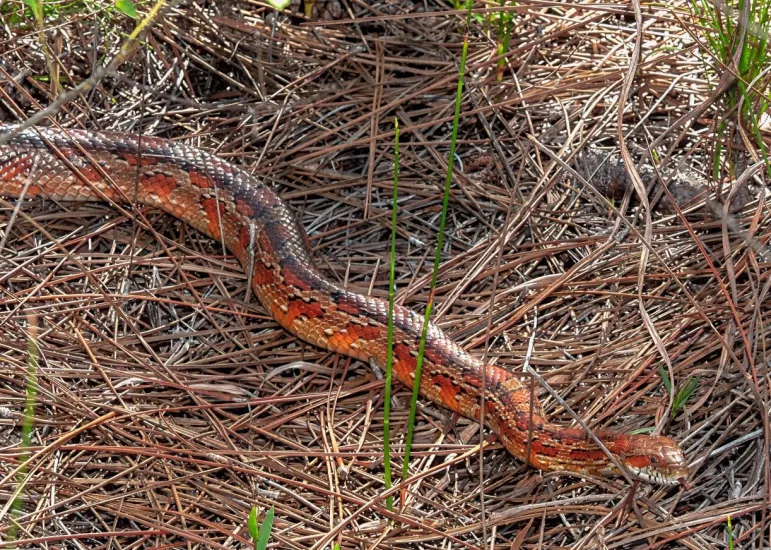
{"x":654,"y":460}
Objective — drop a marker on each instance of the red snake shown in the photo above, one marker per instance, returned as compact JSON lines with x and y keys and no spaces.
{"x":232,"y":206}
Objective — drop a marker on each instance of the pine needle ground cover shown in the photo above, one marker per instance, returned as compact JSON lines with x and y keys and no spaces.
{"x":166,"y":403}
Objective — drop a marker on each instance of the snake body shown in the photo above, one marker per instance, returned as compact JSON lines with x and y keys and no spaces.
{"x":248,"y":217}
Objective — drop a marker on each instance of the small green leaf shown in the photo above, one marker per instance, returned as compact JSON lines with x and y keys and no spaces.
{"x":265,"y":528}
{"x":683,"y":395}
{"x":279,"y":4}
{"x":665,"y":378}
{"x":36,"y":6}
{"x":126,"y":7}
{"x":254,"y":527}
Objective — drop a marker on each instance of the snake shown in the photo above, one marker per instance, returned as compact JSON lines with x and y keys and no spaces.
{"x":231,"y":205}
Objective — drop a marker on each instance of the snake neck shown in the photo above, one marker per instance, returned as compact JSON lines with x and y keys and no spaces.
{"x":514,"y":413}
{"x":572,"y":449}
{"x":526,"y":434}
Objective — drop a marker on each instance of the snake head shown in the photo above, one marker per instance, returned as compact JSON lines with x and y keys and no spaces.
{"x":652,"y":458}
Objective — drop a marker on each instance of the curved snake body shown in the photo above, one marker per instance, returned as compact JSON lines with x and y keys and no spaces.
{"x":232,"y":206}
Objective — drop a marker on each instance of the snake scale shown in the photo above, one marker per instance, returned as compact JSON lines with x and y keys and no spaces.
{"x":230,"y":205}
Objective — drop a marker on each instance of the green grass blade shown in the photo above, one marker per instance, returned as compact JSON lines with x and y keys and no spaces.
{"x":253,"y":524}
{"x":437,"y":256}
{"x":665,"y":378}
{"x":390,"y":347}
{"x":682,"y":396}
{"x":264,"y":535}
{"x":730,"y":533}
{"x":28,"y":424}
{"x":36,"y":7}
{"x":727,"y":30}
{"x":501,"y":46}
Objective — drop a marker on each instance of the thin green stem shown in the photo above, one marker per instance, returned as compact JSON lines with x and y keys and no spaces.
{"x":730,"y":533}
{"x":505,"y":24}
{"x":437,"y":256}
{"x":390,"y":352}
{"x":28,"y":424}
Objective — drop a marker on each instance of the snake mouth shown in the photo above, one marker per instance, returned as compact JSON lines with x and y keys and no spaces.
{"x":658,"y":477}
